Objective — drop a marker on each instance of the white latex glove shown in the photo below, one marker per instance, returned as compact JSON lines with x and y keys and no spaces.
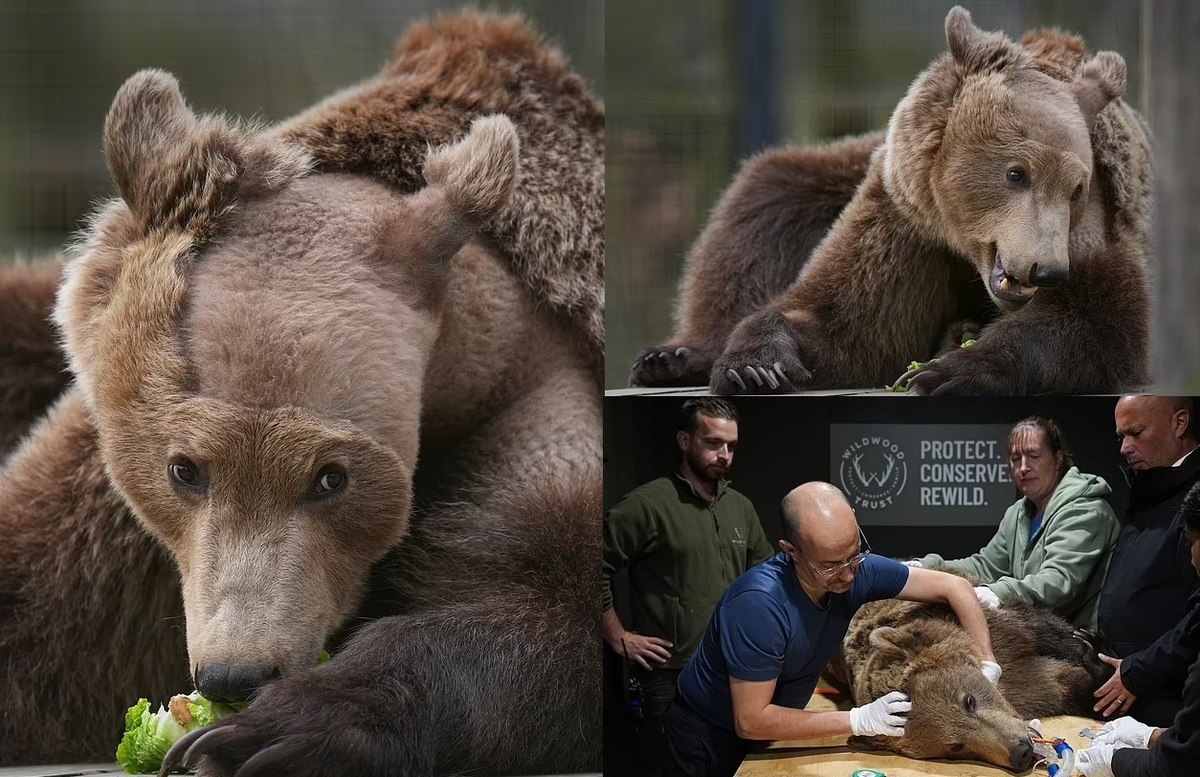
{"x":912,"y":562}
{"x":992,"y":671}
{"x":1096,"y":761}
{"x":986,"y":597}
{"x":1124,"y":731}
{"x":882,"y":717}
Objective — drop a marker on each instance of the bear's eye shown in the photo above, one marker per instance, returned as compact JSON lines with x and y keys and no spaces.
{"x":1078,"y":193}
{"x":969,"y":703}
{"x":956,"y":748}
{"x":329,"y":480}
{"x":1017,"y":175}
{"x":183,"y":472}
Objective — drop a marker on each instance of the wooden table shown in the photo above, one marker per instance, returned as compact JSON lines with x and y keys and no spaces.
{"x":832,"y":758}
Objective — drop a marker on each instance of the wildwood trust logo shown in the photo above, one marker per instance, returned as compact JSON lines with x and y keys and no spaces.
{"x":914,"y":474}
{"x":873,"y":472}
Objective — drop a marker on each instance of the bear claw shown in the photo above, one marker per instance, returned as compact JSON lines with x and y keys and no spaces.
{"x":670,"y":366}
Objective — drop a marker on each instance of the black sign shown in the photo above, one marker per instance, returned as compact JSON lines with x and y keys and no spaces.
{"x":923,"y":474}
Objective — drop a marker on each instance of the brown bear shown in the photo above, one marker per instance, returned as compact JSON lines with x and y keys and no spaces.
{"x":303,"y":401}
{"x":922,"y":650}
{"x":1017,"y":165}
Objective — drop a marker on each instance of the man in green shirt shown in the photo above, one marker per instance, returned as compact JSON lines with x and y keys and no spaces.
{"x":682,"y":538}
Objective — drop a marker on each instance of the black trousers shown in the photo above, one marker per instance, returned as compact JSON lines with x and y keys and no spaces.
{"x":658,"y":689}
{"x":696,"y":748}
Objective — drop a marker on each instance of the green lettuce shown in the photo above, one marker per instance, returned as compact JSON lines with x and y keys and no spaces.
{"x":149,"y":735}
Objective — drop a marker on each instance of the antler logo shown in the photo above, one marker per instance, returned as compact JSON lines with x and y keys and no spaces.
{"x":873,"y":472}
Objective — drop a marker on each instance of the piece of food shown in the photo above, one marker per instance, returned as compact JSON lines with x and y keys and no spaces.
{"x":148,"y":735}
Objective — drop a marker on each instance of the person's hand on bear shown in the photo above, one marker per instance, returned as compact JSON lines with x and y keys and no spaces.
{"x":882,"y":717}
{"x":1125,"y":731}
{"x":1114,"y":696}
{"x":992,"y":671}
{"x":987,"y":597}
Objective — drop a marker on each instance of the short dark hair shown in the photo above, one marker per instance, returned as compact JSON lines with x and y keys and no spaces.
{"x":1055,"y":440}
{"x":1190,"y":509}
{"x":709,"y":406}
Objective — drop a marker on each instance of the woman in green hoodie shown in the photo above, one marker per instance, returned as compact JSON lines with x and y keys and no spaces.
{"x":1053,"y":544}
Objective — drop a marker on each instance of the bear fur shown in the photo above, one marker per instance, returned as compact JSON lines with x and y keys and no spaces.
{"x":33,"y":371}
{"x":922,"y":650}
{"x":303,"y":405}
{"x":1015,"y":164}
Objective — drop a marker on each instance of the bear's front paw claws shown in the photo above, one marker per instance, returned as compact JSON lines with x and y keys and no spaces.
{"x":758,"y":378}
{"x":186,"y":752}
{"x":669,"y":366}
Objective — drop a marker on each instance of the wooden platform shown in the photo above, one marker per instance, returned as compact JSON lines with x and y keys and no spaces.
{"x":832,"y":758}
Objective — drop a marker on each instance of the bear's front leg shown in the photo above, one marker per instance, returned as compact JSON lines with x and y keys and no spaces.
{"x":762,"y":231}
{"x":876,"y":293}
{"x":1090,"y":335}
{"x":485,"y":687}
{"x":764,"y":357}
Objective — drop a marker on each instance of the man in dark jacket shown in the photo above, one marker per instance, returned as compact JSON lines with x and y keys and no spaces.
{"x":1143,"y":603}
{"x":683,"y":538}
{"x":1126,"y":747}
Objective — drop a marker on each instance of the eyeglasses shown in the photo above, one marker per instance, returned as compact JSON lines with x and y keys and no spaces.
{"x":851,"y":563}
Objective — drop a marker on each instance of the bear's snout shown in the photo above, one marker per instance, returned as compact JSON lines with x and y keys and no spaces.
{"x":1048,"y":274}
{"x":1022,"y":758}
{"x":225,"y":682}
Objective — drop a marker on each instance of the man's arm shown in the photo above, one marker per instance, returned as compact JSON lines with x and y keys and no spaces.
{"x":926,"y":585}
{"x":1169,"y":656}
{"x":628,"y":531}
{"x":755,"y":717}
{"x":639,"y":648}
{"x":1164,"y":661}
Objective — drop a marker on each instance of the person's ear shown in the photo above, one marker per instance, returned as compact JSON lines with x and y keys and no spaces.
{"x":1180,"y":420}
{"x":787,"y":547}
{"x":682,"y":439}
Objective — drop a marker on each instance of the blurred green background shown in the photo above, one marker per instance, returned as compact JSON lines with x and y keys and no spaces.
{"x":62,"y":62}
{"x":694,"y":86}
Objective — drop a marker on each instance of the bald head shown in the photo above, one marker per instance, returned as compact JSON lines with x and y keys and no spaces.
{"x":817,"y":517}
{"x":1154,"y":431}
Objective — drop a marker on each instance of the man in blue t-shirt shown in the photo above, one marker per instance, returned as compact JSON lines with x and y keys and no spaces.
{"x":777,"y":626}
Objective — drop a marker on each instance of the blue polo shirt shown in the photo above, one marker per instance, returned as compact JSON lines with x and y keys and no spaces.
{"x":765,"y":627}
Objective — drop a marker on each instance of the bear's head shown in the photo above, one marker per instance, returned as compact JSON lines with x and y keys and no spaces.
{"x":956,"y":711}
{"x":991,"y":154}
{"x":252,"y":341}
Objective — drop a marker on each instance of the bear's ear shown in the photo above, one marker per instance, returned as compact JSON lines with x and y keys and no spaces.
{"x":1101,"y":80}
{"x":889,"y":640}
{"x":176,"y":169}
{"x":147,"y":129}
{"x":469,"y":182}
{"x":976,"y":50}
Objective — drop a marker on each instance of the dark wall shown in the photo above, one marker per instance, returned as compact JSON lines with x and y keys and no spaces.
{"x":784,"y":441}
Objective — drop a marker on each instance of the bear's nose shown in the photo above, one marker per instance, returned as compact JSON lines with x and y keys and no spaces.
{"x":1022,"y":758}
{"x":1048,"y":275}
{"x":233,"y":682}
